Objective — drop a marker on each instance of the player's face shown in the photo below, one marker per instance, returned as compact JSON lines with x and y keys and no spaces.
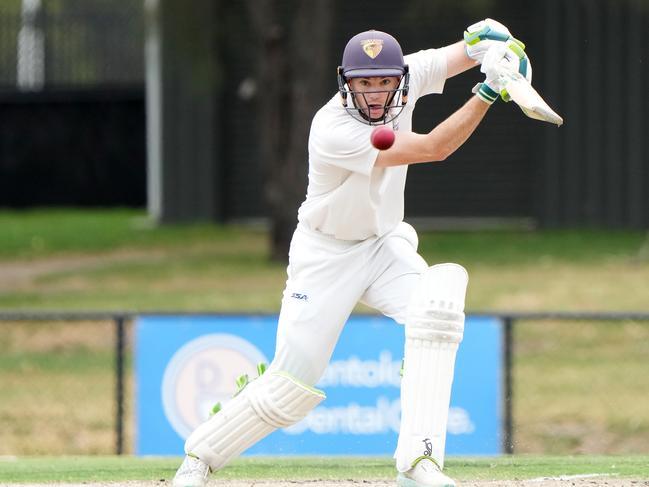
{"x":372,"y":94}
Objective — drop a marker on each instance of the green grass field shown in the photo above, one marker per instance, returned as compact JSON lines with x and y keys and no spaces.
{"x":115,"y":469}
{"x":116,"y":260}
{"x":579,"y":387}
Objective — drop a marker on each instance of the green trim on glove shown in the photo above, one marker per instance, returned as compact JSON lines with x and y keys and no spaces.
{"x":486,"y":33}
{"x":516,"y":47}
{"x":485,"y":93}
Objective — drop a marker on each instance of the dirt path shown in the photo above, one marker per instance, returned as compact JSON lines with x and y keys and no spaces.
{"x":21,"y":273}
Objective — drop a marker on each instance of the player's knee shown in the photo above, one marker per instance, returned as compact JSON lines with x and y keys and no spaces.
{"x":304,"y":364}
{"x":407,"y":232}
{"x":436,"y":310}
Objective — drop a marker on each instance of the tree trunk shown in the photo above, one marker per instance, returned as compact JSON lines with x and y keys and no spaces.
{"x":294,"y":40}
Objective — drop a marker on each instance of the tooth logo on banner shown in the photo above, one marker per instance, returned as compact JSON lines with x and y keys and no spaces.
{"x":202,"y":373}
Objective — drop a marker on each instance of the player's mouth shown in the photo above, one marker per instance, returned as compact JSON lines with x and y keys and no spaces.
{"x":376,"y":110}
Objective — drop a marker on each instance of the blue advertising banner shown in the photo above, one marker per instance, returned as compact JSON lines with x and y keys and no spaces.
{"x":185,"y":364}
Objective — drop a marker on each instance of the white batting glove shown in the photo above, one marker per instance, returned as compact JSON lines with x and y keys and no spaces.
{"x":499,"y":61}
{"x":479,"y":37}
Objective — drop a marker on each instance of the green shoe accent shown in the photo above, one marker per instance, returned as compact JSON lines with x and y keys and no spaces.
{"x":190,"y":454}
{"x":425,"y":457}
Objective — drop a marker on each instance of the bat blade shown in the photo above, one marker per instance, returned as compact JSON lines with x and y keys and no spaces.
{"x":529,"y":100}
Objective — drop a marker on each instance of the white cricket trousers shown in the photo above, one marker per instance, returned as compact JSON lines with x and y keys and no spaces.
{"x":327,"y":277}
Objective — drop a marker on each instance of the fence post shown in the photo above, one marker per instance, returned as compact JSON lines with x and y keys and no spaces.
{"x":508,"y":434}
{"x":119,"y":382}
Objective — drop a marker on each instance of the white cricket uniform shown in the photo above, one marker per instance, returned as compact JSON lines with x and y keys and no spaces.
{"x":351,"y":243}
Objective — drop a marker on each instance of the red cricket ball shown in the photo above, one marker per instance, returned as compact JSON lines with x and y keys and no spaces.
{"x":382,"y":137}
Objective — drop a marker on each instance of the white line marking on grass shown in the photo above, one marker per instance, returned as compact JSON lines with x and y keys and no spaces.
{"x":571,"y":477}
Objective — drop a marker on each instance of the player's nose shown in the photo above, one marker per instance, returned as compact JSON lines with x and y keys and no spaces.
{"x":374,"y":96}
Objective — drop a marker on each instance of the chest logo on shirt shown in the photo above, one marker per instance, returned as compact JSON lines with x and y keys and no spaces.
{"x":301,"y":297}
{"x":372,"y":47}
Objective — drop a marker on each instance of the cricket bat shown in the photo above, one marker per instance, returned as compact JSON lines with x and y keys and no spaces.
{"x":528,"y":99}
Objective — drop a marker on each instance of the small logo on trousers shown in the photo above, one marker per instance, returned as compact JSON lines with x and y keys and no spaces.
{"x":429,"y":447}
{"x":302,"y":297}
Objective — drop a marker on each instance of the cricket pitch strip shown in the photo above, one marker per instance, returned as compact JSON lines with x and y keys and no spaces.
{"x":569,"y":481}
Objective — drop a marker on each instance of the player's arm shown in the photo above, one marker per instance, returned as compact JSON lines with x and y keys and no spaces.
{"x":457,"y":60}
{"x":439,"y":143}
{"x":448,"y":136}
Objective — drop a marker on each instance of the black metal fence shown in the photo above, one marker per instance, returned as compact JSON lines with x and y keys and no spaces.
{"x":509,"y":320}
{"x":590,"y":172}
{"x":593,"y":169}
{"x":71,"y":43}
{"x":72,"y":123}
{"x":73,"y":148}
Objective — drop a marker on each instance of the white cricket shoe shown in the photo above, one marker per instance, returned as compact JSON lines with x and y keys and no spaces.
{"x":192,"y":473}
{"x":425,"y":473}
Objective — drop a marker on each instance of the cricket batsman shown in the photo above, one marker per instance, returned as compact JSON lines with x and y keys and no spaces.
{"x":351,"y":245}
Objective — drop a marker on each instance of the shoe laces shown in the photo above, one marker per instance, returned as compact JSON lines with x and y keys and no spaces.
{"x":194,"y":466}
{"x":428,"y":464}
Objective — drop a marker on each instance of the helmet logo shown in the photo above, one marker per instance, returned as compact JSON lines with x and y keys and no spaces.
{"x":372,"y":47}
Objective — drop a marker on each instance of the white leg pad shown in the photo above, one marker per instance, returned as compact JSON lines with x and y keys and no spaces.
{"x":434,"y":330}
{"x":274,"y":400}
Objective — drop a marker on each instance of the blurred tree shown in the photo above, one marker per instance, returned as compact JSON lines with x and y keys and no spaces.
{"x":293,"y":40}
